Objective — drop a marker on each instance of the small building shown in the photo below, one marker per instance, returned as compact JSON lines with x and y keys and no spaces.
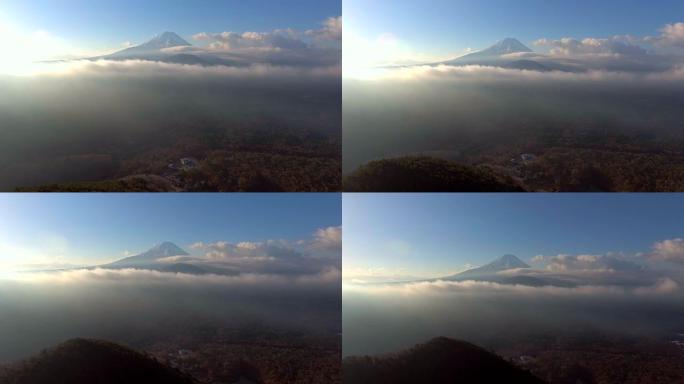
{"x":527,"y":157}
{"x":189,"y":163}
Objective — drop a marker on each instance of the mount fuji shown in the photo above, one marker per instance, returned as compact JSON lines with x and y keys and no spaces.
{"x":508,"y":269}
{"x":168,"y":47}
{"x":501,"y":54}
{"x":152,"y":260}
{"x":503,"y":263}
{"x":163,"y":41}
{"x":503,"y":47}
{"x":165,"y":249}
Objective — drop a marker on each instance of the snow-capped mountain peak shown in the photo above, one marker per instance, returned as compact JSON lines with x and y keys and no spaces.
{"x":502,"y":263}
{"x":165,"y":40}
{"x":494,"y":52}
{"x":153,"y":47}
{"x":508,"y":45}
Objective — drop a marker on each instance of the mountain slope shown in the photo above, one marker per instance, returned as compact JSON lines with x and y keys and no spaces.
{"x":185,"y":58}
{"x":188,"y":269}
{"x":493,"y":53}
{"x":91,"y":361}
{"x":426,"y":174}
{"x":165,"y":40}
{"x":165,"y":249}
{"x":441,"y":360}
{"x":527,"y":65}
{"x":497,"y":56}
{"x":517,"y":273}
{"x":503,"y":47}
{"x":149,"y":260}
{"x":503,"y":263}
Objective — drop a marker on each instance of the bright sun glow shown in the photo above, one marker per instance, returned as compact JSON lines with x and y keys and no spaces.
{"x":369,"y":59}
{"x":362,"y":57}
{"x":22,"y":51}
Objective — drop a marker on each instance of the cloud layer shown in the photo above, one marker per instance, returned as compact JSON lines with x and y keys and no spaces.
{"x":136,"y":307}
{"x":82,"y":112}
{"x":583,"y":263}
{"x":612,"y":294}
{"x":387,"y":318}
{"x":319,"y":255}
{"x":282,"y":285}
{"x":279,"y":39}
{"x":619,"y":45}
{"x":623,"y":53}
{"x":314,"y":47}
{"x":449,"y":109}
{"x":672,"y":35}
{"x":668,"y":250}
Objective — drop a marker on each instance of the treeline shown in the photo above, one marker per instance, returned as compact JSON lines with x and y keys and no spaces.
{"x":263,"y":157}
{"x":426,"y":174}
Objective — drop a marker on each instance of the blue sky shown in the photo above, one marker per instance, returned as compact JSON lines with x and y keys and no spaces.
{"x":436,"y":234}
{"x":452,"y":25}
{"x":101,"y":24}
{"x":85,"y":227}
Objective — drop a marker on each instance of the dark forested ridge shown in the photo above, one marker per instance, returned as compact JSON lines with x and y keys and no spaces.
{"x":252,"y":158}
{"x":441,"y":360}
{"x":198,"y":352}
{"x":544,"y":160}
{"x":91,"y":361}
{"x":426,"y":174}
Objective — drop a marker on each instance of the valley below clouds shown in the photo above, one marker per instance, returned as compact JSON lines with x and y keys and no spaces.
{"x":121,"y":115}
{"x":613,"y":295}
{"x":609,"y":104}
{"x":289,"y":288}
{"x":413,"y":110}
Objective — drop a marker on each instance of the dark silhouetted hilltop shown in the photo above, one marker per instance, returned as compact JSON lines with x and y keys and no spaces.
{"x":441,"y":360}
{"x":426,"y":174}
{"x":91,"y":361}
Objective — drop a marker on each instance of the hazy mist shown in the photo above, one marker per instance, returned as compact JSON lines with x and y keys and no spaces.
{"x":39,"y":310}
{"x":77,"y":120}
{"x":452,"y":109}
{"x":382,"y":318}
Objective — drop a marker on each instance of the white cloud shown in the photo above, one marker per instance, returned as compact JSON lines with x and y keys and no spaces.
{"x":668,"y":250}
{"x":483,"y":288}
{"x":148,"y":277}
{"x":586,"y":263}
{"x":664,"y":286}
{"x":329,"y":238}
{"x":476,"y":74}
{"x":276,"y":40}
{"x":365,"y":275}
{"x":617,"y":45}
{"x":331,"y":30}
{"x":672,"y":35}
{"x":234,"y":41}
{"x":304,"y":257}
{"x":151,"y":69}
